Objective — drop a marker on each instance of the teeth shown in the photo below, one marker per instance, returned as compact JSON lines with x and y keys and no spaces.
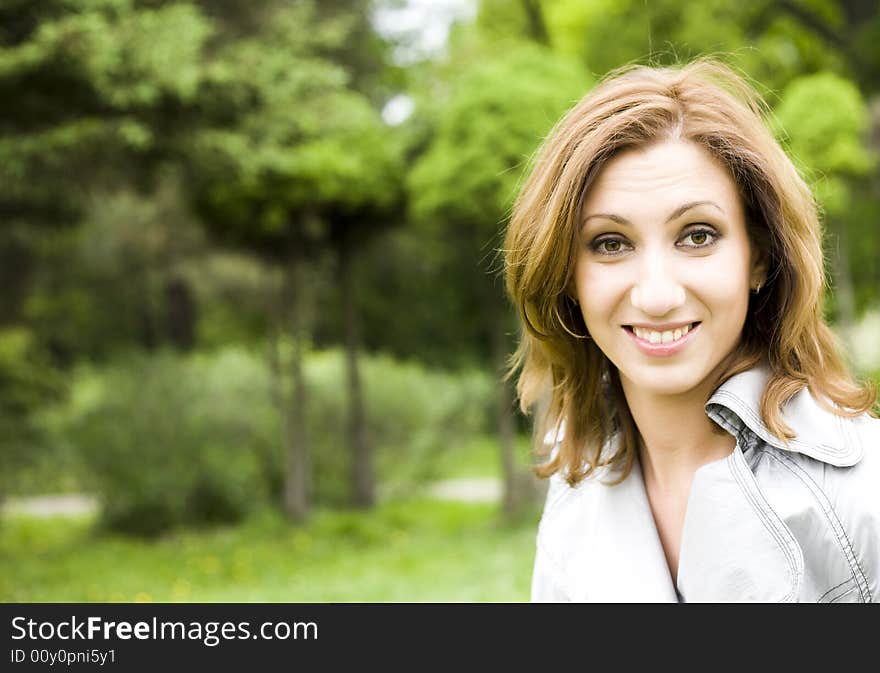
{"x":665,"y":337}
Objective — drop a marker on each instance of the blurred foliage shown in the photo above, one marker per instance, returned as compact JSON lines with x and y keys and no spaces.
{"x":492,"y":117}
{"x":415,"y":417}
{"x":772,"y":41}
{"x":303,"y":141}
{"x":28,"y":382}
{"x":166,"y":440}
{"x":162,"y":161}
{"x":117,"y":279}
{"x":88,"y":92}
{"x":823,"y":118}
{"x":26,"y":375}
{"x":496,"y":115}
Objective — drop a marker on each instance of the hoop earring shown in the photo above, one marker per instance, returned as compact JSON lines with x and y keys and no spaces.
{"x":565,"y":327}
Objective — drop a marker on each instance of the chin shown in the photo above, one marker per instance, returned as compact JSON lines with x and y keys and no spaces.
{"x":676,"y":380}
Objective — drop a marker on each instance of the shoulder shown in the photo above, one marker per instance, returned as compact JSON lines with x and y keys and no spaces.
{"x":854,"y":493}
{"x":828,"y":473}
{"x":851,"y":476}
{"x":841,"y":498}
{"x":850,"y":479}
{"x":564,"y":498}
{"x":565,"y":504}
{"x":571,"y":538}
{"x":565,"y":536}
{"x":854,"y":497}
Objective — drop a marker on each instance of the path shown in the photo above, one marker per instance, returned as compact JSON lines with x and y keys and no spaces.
{"x":70,"y":504}
{"x":473,"y":489}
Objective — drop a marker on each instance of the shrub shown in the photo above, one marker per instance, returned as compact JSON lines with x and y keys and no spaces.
{"x":173,"y":440}
{"x":179,"y":440}
{"x":28,"y":381}
{"x":414,"y":416}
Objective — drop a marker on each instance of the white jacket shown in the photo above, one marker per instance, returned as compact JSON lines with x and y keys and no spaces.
{"x":768,"y":523}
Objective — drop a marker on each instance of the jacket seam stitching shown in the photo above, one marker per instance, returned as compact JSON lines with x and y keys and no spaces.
{"x":784,"y":544}
{"x":837,"y":598}
{"x":728,"y":420}
{"x":820,"y":448}
{"x":836,"y":586}
{"x":848,"y":430}
{"x":831,"y":515}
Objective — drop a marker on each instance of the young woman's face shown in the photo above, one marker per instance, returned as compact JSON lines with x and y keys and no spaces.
{"x":665,"y":265}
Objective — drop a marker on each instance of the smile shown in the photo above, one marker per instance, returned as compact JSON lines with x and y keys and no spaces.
{"x":662,"y":342}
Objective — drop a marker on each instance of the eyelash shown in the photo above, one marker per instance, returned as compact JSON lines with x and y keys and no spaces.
{"x":595,"y":246}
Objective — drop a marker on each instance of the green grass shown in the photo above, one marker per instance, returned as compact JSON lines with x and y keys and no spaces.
{"x":403,"y":552}
{"x":480,"y":457}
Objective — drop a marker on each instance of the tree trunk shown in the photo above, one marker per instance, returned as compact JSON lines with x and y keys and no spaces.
{"x":181,"y":314}
{"x":535,"y":19}
{"x":143,"y":306}
{"x":363,"y":483}
{"x":276,"y":310}
{"x":504,"y":420}
{"x":296,"y":481}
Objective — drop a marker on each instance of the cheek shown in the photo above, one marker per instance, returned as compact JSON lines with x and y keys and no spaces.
{"x":600,"y":290}
{"x":723,"y":287}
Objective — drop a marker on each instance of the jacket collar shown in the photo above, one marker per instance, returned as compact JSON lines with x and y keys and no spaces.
{"x":604,"y":545}
{"x":819,"y":433}
{"x":734,"y":546}
{"x":736,"y":406}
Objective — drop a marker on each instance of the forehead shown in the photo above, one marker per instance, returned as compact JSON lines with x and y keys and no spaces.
{"x":660,"y":177}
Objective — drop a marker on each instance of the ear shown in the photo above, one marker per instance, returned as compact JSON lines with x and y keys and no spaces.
{"x":760,"y":267}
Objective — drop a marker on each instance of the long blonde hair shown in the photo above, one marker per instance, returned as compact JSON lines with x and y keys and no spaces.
{"x":707,"y":103}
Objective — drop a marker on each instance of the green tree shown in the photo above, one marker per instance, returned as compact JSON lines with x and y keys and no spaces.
{"x":827,"y":139}
{"x":27,"y":381}
{"x":463,"y":186}
{"x":93,"y":97}
{"x":307,"y":168}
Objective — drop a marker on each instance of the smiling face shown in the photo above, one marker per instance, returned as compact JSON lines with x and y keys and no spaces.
{"x":664,"y":266}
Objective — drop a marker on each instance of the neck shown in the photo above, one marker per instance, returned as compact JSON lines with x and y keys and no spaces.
{"x":677,"y":436}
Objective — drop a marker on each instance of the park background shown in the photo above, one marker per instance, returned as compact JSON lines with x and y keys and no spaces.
{"x":252,"y":321}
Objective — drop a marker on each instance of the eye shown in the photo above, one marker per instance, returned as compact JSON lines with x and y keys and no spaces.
{"x":609,"y":245}
{"x":701,"y":237}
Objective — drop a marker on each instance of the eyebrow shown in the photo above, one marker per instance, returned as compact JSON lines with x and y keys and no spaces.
{"x":678,"y":212}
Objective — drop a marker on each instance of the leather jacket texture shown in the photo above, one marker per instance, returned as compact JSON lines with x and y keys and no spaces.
{"x":769,"y":523}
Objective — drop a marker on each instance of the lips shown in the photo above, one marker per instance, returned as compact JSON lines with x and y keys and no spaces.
{"x":662,"y":340}
{"x":661,"y":333}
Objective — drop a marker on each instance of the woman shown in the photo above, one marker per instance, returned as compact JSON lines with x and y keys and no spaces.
{"x":708,"y":442}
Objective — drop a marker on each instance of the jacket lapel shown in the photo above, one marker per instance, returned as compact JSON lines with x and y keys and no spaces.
{"x":615,"y":554}
{"x":734,"y":547}
{"x":633,"y":554}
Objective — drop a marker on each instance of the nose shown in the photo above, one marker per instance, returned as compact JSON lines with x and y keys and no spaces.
{"x":657,"y":291}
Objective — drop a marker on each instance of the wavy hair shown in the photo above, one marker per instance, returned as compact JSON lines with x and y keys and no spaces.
{"x":567,"y":376}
